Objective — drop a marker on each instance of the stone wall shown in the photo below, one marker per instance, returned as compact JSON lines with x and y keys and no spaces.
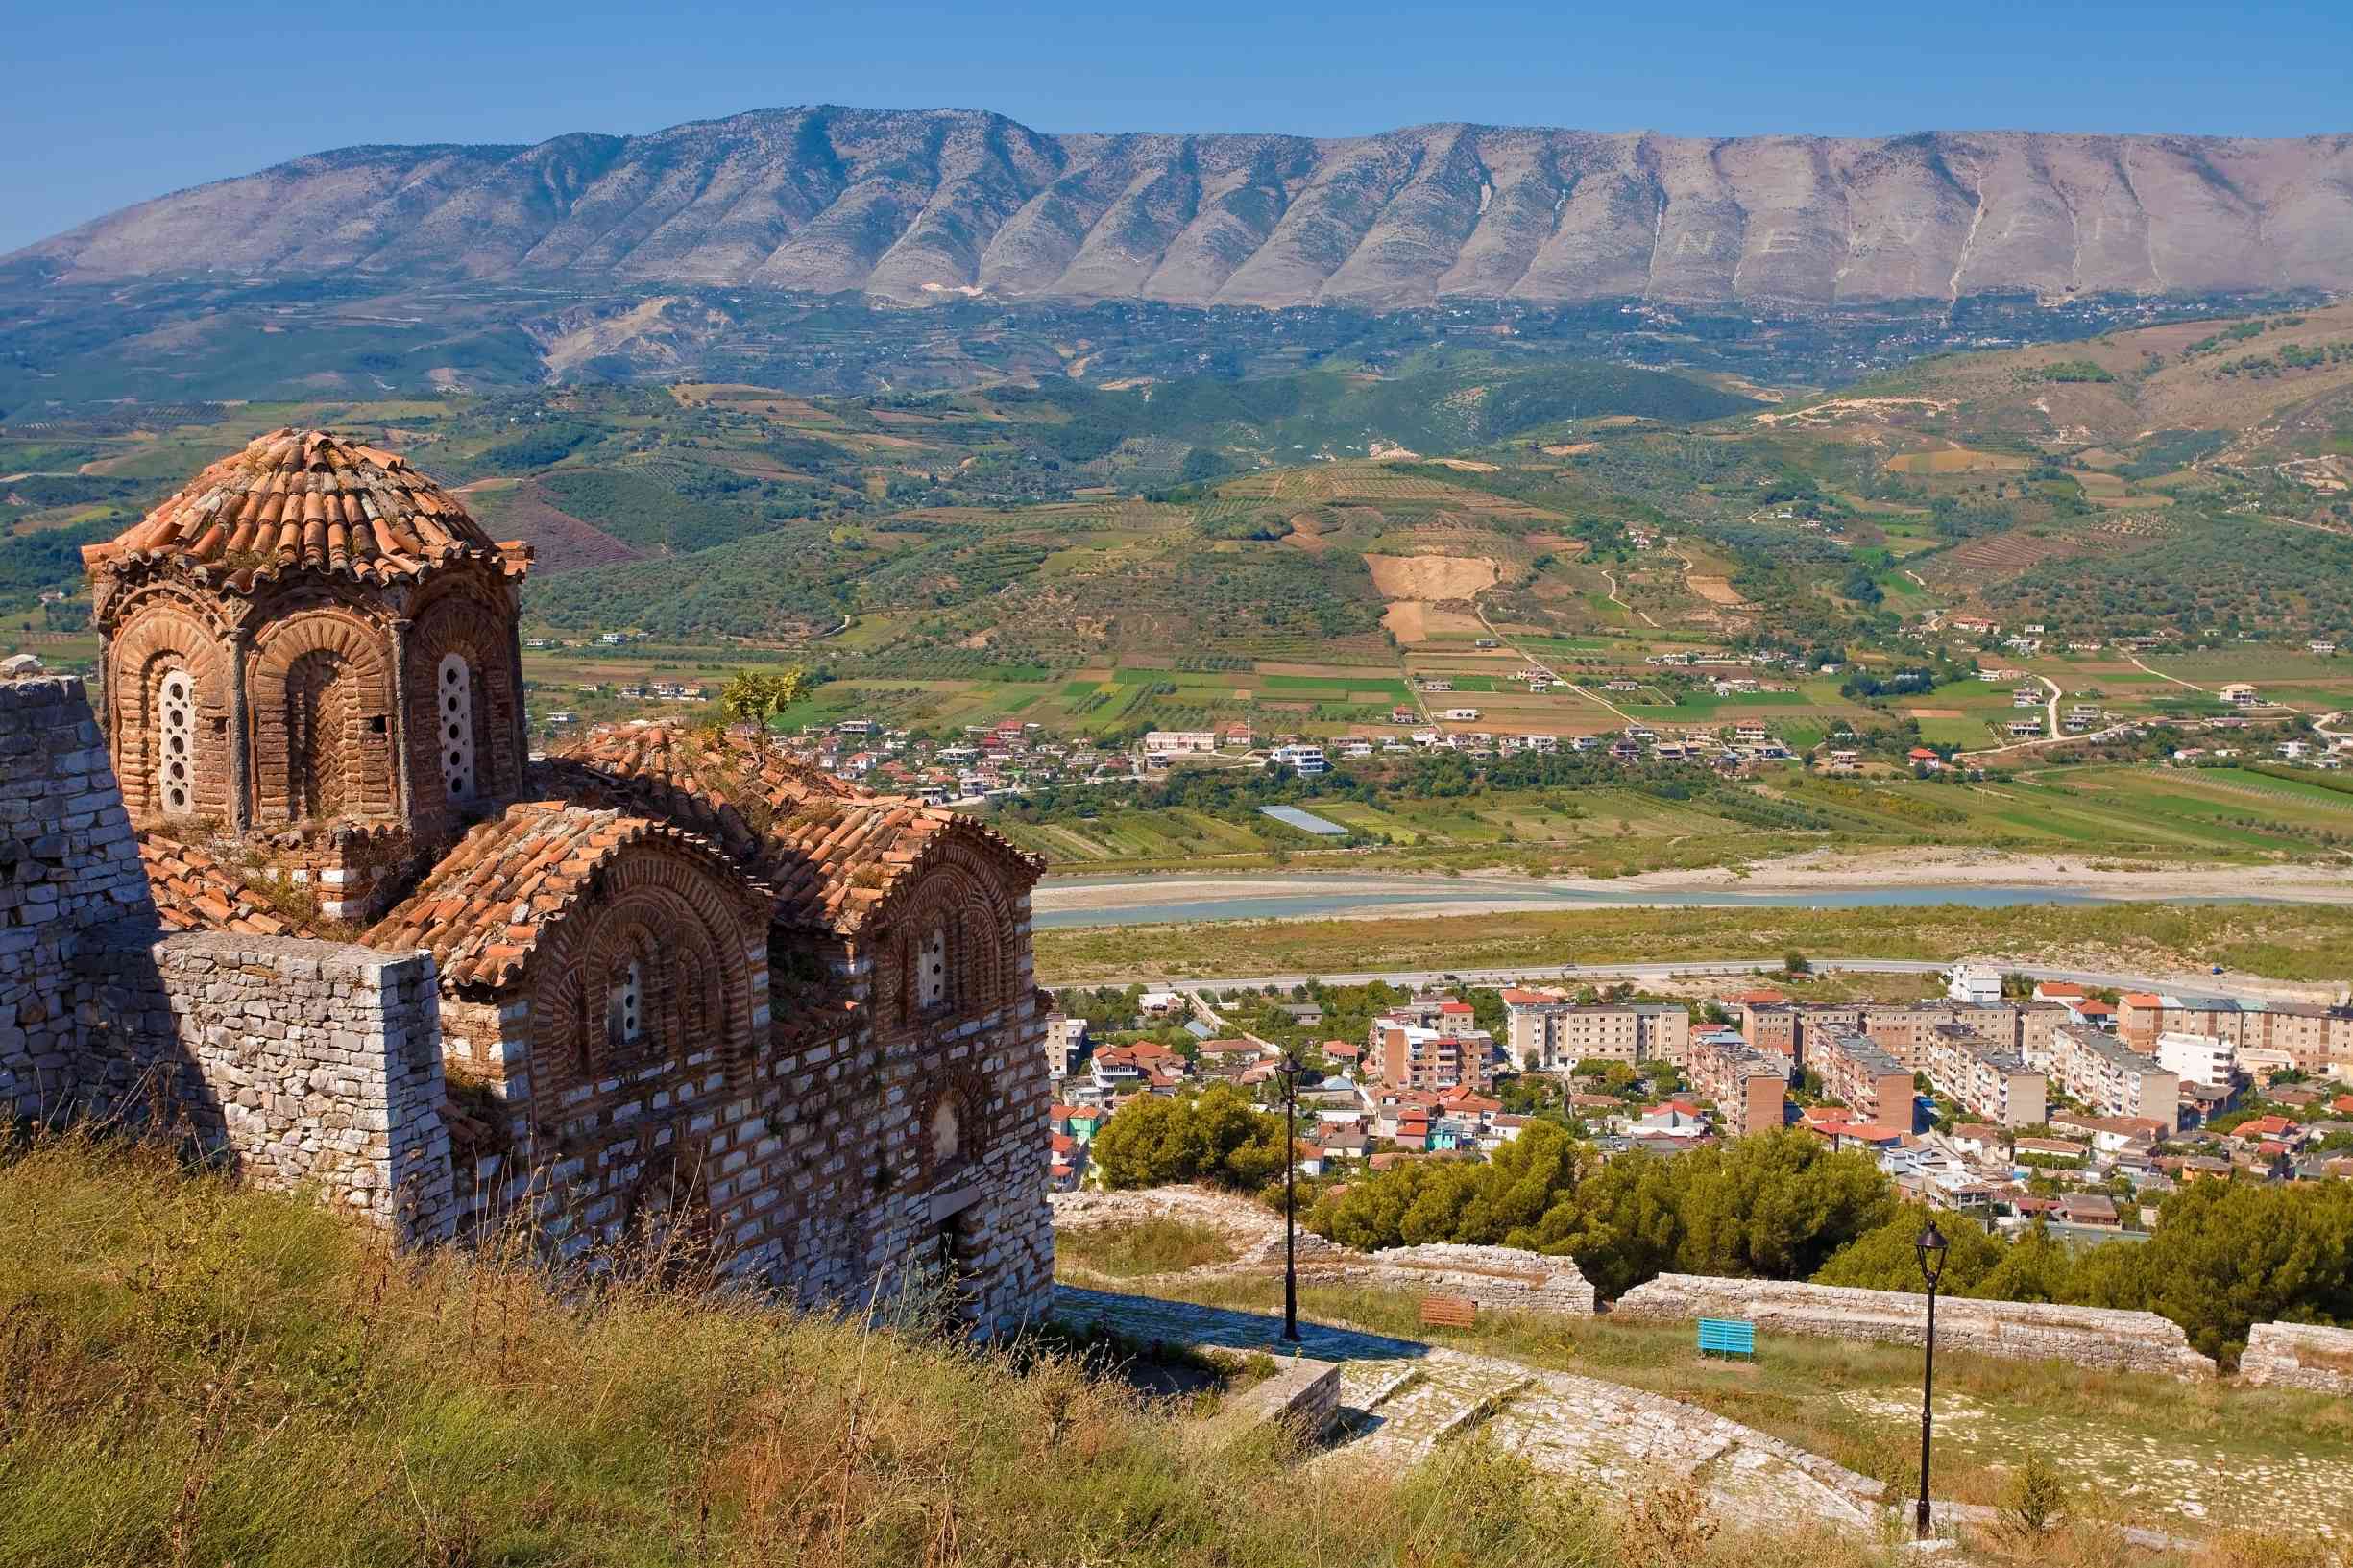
{"x":68,"y":864}
{"x":2299,"y":1356}
{"x":309,"y":1064}
{"x":1303,"y":1398}
{"x":301,"y":1063}
{"x":1501,"y":1279}
{"x":1498,"y":1278}
{"x":2125,"y":1342}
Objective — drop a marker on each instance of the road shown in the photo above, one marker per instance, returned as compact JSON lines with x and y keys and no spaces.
{"x":1699,"y":967}
{"x":1553,"y":675}
{"x":2162,"y":675}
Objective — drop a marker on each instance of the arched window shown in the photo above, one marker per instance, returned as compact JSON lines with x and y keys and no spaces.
{"x":932,"y":968}
{"x":454,"y":716}
{"x":626,"y":1007}
{"x":947,"y":1133}
{"x":176,"y":744}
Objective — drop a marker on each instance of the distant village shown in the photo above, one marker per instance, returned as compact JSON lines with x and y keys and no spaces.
{"x":2004,"y":1104}
{"x":1009,"y":758}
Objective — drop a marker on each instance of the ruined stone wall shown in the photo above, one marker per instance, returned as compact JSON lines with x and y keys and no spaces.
{"x":301,"y":1063}
{"x":2124,"y":1341}
{"x":307,"y":1064}
{"x":68,"y":864}
{"x":1501,"y":1279}
{"x":2299,"y":1356}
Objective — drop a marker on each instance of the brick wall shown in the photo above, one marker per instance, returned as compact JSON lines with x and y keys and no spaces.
{"x":2124,"y":1341}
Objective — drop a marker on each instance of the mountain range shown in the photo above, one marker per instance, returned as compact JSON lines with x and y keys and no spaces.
{"x":917,"y":205}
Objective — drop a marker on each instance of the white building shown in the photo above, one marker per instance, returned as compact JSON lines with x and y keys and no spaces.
{"x":1979,"y":984}
{"x":2197,"y":1058}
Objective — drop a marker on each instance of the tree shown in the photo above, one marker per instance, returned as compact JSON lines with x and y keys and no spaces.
{"x":1795,"y":963}
{"x":1216,"y":1136}
{"x":1887,"y":1258}
{"x":755,"y":699}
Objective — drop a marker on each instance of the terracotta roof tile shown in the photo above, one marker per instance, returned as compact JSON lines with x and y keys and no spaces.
{"x":304,"y":499}
{"x":834,"y":852}
{"x":483,"y":909}
{"x":195,"y":890}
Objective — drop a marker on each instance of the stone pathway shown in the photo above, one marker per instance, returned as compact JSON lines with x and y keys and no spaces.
{"x":1400,"y":1398}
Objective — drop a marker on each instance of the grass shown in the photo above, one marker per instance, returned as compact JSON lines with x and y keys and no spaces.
{"x":1131,"y":1248}
{"x":2289,"y":942}
{"x":193,"y":1373}
{"x":1858,"y":1404}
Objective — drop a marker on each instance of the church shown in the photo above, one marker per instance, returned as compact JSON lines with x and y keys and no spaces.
{"x":683,"y":990}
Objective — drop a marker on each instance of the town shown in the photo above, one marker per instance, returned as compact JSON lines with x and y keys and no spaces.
{"x":2003,"y":1101}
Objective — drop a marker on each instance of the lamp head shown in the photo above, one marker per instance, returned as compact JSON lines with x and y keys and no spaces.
{"x":1931,"y":1247}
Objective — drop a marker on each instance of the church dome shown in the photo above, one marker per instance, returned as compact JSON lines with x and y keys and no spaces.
{"x":312,"y":500}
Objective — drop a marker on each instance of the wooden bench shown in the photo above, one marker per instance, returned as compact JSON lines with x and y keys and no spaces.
{"x":1448,"y":1312}
{"x":1728,"y":1336}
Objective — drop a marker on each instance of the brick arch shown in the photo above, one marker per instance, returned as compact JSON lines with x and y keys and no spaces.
{"x":319,"y":695}
{"x":159,"y":635}
{"x":460,"y":620}
{"x":688,"y":922}
{"x":960,"y":891}
{"x":962,"y":1096}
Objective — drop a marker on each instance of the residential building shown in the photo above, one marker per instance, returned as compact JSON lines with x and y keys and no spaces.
{"x":1546,"y":1033}
{"x":1750,"y":1088}
{"x":2110,"y":1077}
{"x":2198,"y":1058}
{"x":1979,"y":984}
{"x":1180,"y":742}
{"x":1410,"y":1057}
{"x":1870,"y":1081}
{"x":1992,"y":1081}
{"x":1065,"y":1044}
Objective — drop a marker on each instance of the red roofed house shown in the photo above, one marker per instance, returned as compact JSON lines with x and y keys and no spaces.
{"x":653,"y":957}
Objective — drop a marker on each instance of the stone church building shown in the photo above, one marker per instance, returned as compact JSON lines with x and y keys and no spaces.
{"x":664,"y":986}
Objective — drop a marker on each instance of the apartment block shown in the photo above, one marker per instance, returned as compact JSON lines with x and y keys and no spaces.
{"x":1992,"y":1081}
{"x":1410,"y":1057}
{"x":2198,"y":1058}
{"x":1869,"y":1079}
{"x":1065,"y":1044}
{"x":1548,"y":1033}
{"x":2317,"y":1039}
{"x":1750,"y":1087}
{"x":2111,"y":1077}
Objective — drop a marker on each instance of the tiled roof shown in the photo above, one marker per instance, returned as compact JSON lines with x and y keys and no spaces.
{"x":197,"y":891}
{"x":832,"y":852}
{"x":307,"y":499}
{"x":482,"y":910}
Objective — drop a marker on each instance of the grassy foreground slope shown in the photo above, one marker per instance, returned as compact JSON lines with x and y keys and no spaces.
{"x":194,"y":1374}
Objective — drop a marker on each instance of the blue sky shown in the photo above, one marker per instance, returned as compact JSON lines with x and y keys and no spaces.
{"x":106,"y":104}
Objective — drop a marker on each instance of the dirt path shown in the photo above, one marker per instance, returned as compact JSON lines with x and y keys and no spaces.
{"x":2162,"y":675}
{"x":1551,"y":674}
{"x":1607,"y":578}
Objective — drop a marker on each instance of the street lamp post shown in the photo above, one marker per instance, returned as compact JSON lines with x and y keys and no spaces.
{"x":1931,"y":1247}
{"x":1292,"y":1070}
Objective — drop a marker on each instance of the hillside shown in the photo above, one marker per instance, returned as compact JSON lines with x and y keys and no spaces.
{"x":925,"y":206}
{"x":201,"y":1374}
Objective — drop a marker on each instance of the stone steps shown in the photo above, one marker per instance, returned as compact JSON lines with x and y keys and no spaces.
{"x":1407,"y":1409}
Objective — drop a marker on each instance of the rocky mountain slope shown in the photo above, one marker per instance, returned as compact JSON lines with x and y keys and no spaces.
{"x":913,"y":206}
